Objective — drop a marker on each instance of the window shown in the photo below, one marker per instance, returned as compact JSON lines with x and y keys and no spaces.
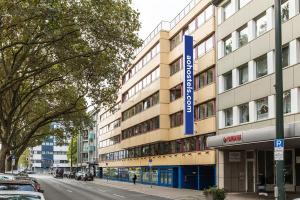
{"x":261,"y":66}
{"x":243,"y":74}
{"x":209,"y":44}
{"x":285,"y":56}
{"x":227,"y":81}
{"x":204,"y":79}
{"x":204,"y":110}
{"x":228,"y":45}
{"x":287,"y":102}
{"x":176,"y":92}
{"x":261,"y":25}
{"x":201,"y":19}
{"x":228,"y":10}
{"x":285,"y":10}
{"x":176,"y":66}
{"x":243,"y":36}
{"x":244,"y":113}
{"x":175,"y":41}
{"x":209,"y":12}
{"x":228,"y":117}
{"x":242,"y":3}
{"x":176,"y":119}
{"x":262,"y":108}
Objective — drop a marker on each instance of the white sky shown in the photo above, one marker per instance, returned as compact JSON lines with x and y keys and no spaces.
{"x":152,"y":12}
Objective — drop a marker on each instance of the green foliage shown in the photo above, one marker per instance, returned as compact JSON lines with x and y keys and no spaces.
{"x":24,"y":159}
{"x":216,"y":193}
{"x":55,"y":54}
{"x":72,"y":150}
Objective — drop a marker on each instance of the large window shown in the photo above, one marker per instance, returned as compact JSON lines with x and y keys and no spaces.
{"x":176,"y":119}
{"x":228,"y":45}
{"x":227,"y":80}
{"x":244,"y":113}
{"x":243,"y":36}
{"x":285,"y":56}
{"x":261,"y":66}
{"x":262,"y":108}
{"x":261,"y":24}
{"x":204,"y":110}
{"x":228,"y":117}
{"x":175,"y":40}
{"x":204,"y":47}
{"x":205,"y":78}
{"x":144,"y":127}
{"x":176,"y":92}
{"x":176,"y":66}
{"x":287,"y":102}
{"x":285,"y":15}
{"x":228,"y":9}
{"x":243,"y":74}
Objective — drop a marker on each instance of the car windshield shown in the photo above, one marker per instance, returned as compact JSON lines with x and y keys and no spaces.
{"x":17,"y":187}
{"x":19,"y":197}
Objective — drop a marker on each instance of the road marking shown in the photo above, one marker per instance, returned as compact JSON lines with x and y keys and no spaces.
{"x":118,"y":196}
{"x":69,"y":191}
{"x":101,"y":190}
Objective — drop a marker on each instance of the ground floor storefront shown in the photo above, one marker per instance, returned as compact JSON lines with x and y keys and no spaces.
{"x":190,"y":176}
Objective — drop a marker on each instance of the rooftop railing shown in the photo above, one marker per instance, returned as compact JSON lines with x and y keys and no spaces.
{"x":167,"y":26}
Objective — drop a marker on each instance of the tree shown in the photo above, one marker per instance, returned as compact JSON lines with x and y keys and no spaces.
{"x":72,"y":151}
{"x":55,"y":54}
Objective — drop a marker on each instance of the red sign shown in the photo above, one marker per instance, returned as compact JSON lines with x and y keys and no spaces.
{"x":232,"y":138}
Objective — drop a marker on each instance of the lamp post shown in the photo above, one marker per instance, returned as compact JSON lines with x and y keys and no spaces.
{"x":279,"y":164}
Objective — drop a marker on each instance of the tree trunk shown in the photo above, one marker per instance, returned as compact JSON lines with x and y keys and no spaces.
{"x":3,"y":152}
{"x":8,"y":166}
{"x":15,"y":167}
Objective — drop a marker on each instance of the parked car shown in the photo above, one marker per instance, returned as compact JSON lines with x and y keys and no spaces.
{"x":18,"y":185}
{"x":58,"y":173}
{"x":33,"y":180}
{"x":84,"y":176}
{"x":21,"y":195}
{"x":7,"y":177}
{"x":69,"y":174}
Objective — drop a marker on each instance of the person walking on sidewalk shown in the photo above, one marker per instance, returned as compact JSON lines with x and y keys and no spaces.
{"x":134,"y":178}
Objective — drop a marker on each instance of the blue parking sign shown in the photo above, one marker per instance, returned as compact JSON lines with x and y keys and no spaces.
{"x":279,"y":143}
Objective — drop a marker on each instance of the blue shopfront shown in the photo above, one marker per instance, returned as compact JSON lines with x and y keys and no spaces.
{"x":191,"y":177}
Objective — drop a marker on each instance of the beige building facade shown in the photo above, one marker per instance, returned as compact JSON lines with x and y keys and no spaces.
{"x":245,"y":66}
{"x":143,"y":133}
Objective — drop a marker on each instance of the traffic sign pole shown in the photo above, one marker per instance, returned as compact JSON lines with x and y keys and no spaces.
{"x":279,"y":191}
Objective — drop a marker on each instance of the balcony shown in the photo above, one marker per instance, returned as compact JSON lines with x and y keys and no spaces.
{"x":92,"y":148}
{"x":91,"y":136}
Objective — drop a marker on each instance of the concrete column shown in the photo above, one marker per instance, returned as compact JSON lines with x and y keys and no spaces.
{"x":220,"y":15}
{"x":251,"y":70}
{"x":251,"y":30}
{"x":235,"y":40}
{"x":270,"y":18}
{"x":235,"y":77}
{"x":220,"y":169}
{"x":293,"y":8}
{"x":252,"y":111}
{"x":295,"y":100}
{"x":271,"y":62}
{"x":220,"y":49}
{"x":236,"y":115}
{"x":235,"y":4}
{"x":221,"y":119}
{"x":271,"y":105}
{"x":294,"y":49}
{"x":220,"y":84}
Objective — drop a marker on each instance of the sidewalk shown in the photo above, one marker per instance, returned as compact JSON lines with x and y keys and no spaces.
{"x":181,"y":194}
{"x":166,"y":192}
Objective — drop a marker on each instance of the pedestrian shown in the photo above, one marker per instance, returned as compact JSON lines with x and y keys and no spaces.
{"x":134,"y":178}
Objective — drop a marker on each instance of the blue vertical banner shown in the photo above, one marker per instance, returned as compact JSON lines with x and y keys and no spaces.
{"x":188,"y":85}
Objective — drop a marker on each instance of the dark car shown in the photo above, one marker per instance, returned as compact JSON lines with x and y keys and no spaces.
{"x":58,"y":173}
{"x":18,"y":185}
{"x":84,"y":176}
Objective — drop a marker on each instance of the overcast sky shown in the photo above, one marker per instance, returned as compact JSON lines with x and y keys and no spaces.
{"x":152,"y":12}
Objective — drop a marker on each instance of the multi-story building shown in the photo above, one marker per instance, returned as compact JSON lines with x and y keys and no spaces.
{"x":144,"y":134}
{"x":245,"y":66}
{"x":49,"y":155}
{"x":87,"y":157}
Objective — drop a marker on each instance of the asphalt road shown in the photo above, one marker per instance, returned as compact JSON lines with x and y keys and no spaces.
{"x":69,"y":189}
